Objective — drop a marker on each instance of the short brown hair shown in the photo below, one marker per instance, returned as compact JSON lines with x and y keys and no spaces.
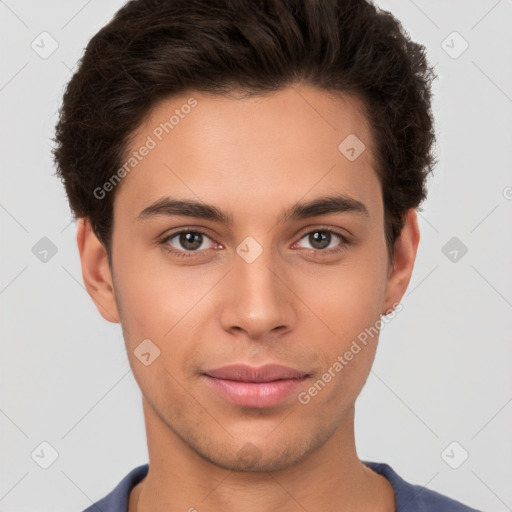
{"x":153,"y":49}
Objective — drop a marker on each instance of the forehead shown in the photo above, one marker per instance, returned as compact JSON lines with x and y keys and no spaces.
{"x":280,"y":146}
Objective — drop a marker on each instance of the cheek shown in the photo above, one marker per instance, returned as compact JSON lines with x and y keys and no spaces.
{"x":155,"y":296}
{"x":166,"y":306}
{"x":350,"y":305}
{"x":350,"y":298}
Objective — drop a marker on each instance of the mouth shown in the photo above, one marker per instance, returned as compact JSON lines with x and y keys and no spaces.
{"x":257,"y":387}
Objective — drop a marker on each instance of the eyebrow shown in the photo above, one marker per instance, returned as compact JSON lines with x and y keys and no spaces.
{"x":168,"y":206}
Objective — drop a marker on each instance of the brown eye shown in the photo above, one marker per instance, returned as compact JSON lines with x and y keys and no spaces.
{"x":321,"y":240}
{"x":190,"y":241}
{"x":187,"y":242}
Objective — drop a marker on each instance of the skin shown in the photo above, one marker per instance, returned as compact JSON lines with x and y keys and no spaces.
{"x":293,"y":305}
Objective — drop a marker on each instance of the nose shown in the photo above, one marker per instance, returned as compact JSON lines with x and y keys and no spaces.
{"x":256,"y":299}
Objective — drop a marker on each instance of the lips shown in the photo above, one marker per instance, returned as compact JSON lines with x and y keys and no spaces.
{"x":244,"y":373}
{"x":260,"y":387}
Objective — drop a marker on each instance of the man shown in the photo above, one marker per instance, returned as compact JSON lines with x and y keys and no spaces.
{"x":245,"y":177}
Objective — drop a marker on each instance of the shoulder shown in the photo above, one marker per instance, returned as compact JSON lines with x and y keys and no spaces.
{"x":117,"y":500}
{"x":411,"y":498}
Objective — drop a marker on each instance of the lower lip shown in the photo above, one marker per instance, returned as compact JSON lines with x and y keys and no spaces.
{"x":255,"y":394}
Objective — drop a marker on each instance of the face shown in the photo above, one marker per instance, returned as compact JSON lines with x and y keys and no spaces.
{"x":265,"y":288}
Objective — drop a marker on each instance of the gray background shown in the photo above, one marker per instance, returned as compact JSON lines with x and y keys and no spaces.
{"x":442,"y":372}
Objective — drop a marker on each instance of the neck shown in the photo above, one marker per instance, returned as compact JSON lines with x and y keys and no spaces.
{"x":332,"y":478}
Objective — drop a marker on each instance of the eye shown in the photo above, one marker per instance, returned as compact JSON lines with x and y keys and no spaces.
{"x":321,"y":239}
{"x":186,"y":242}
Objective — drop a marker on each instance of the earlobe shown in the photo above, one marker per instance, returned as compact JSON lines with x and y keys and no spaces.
{"x":405,"y":250}
{"x":96,"y":271}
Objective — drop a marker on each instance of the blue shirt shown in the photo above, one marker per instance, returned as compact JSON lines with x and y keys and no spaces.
{"x":408,"y":497}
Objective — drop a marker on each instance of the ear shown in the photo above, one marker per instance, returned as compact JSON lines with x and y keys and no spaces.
{"x":96,"y":271}
{"x":405,"y":249}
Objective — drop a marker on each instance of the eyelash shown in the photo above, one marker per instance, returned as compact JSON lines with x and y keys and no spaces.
{"x":191,"y":254}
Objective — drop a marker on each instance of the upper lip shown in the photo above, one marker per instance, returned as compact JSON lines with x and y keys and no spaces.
{"x":266,"y":373}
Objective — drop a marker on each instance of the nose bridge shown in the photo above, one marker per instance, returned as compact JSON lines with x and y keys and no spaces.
{"x":257,"y":299}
